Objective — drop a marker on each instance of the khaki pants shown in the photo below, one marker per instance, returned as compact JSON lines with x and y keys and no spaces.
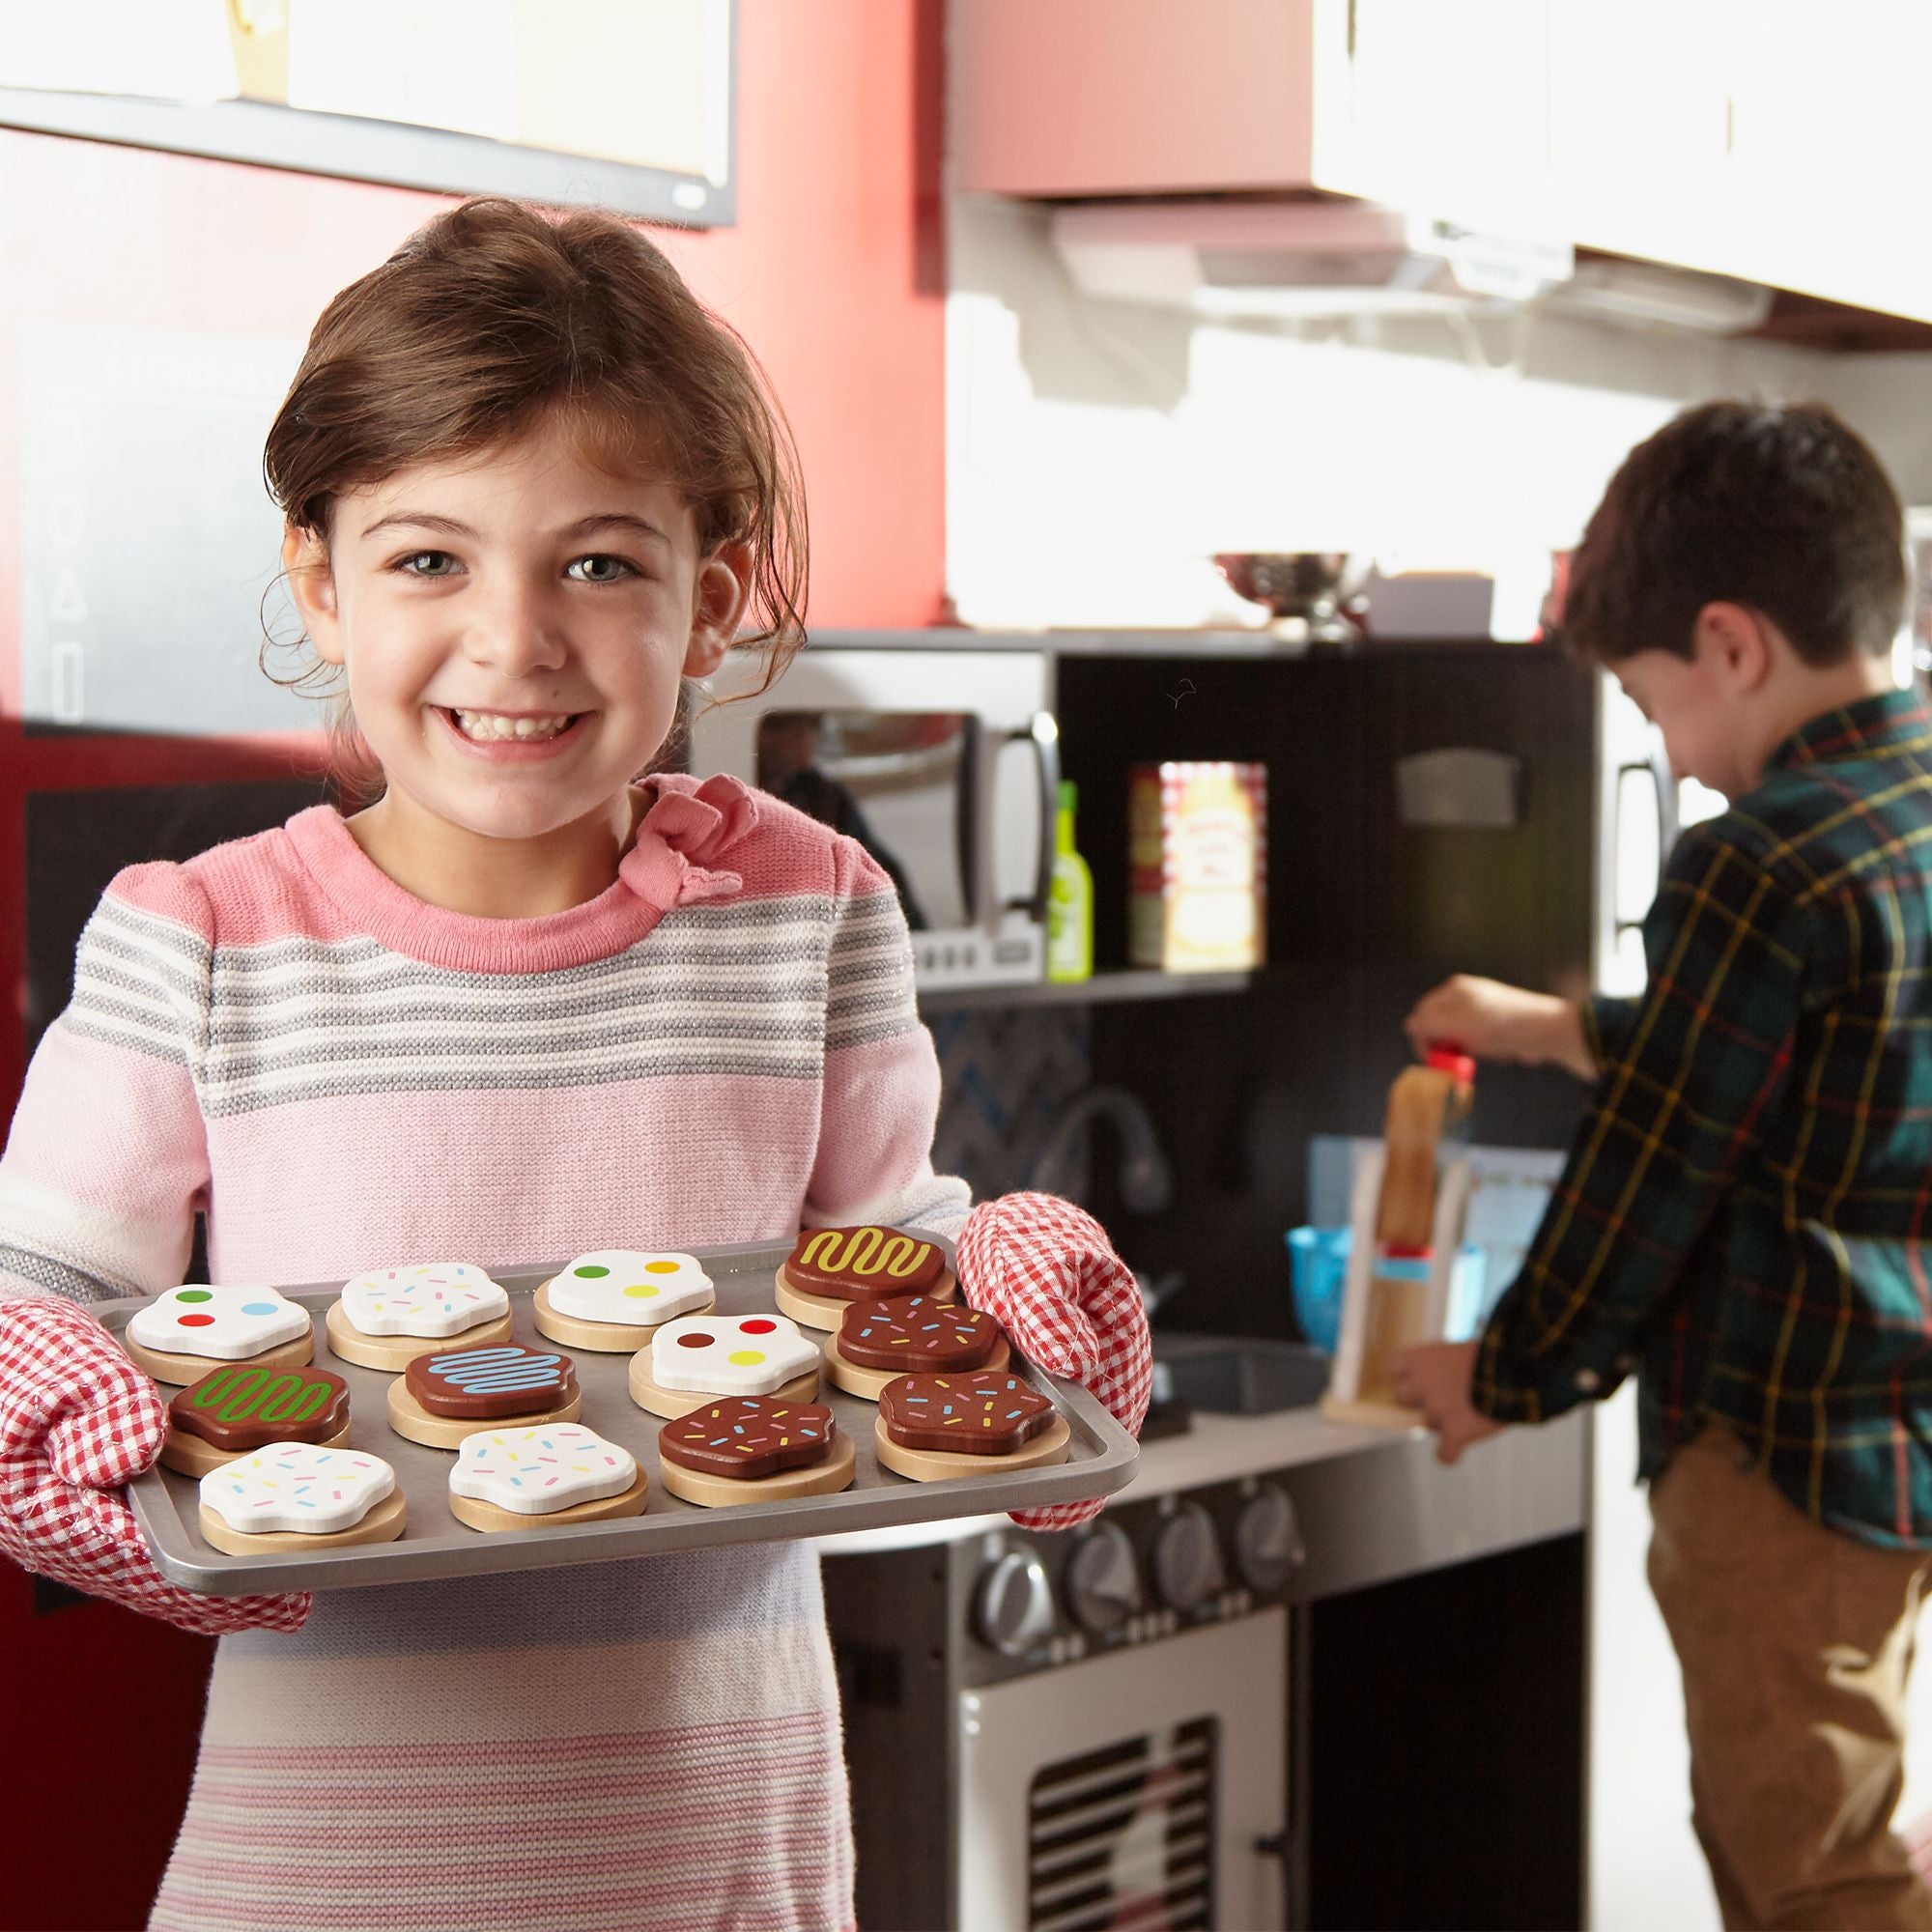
{"x":1796,"y":1643}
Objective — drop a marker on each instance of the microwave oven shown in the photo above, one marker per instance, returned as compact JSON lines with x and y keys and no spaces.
{"x":945,"y":764}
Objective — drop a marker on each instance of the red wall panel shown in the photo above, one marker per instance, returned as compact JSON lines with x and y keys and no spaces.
{"x":831,"y":273}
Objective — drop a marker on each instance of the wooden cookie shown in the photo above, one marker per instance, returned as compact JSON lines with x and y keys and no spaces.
{"x":440,"y":1399}
{"x":746,"y":1449}
{"x":533,"y":1478}
{"x":243,"y":1406}
{"x":879,"y":1341}
{"x":660,"y":1401}
{"x":936,"y":1426}
{"x":393,"y":1353}
{"x":613,"y":1299}
{"x":299,"y":1495}
{"x":181,"y":1371}
{"x":831,"y":1267}
{"x":197,"y":1326}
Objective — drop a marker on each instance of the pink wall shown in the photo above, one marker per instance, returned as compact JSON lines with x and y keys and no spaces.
{"x":832,"y":275}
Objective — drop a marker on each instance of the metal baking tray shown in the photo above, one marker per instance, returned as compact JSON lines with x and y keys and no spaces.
{"x":1099,"y":1460}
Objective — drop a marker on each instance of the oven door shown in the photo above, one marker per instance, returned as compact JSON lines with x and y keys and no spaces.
{"x":1144,"y":1787}
{"x":942,"y":764}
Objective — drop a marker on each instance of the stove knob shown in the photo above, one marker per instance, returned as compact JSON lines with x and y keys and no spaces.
{"x":1102,"y":1586}
{"x":1187,"y":1558}
{"x":1014,"y":1608}
{"x":1267,"y":1540}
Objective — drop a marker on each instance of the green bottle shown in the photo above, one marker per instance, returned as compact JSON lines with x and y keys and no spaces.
{"x":1070,"y":902}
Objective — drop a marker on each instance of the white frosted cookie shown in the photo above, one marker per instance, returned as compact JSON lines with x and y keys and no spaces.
{"x":730,"y":1355}
{"x":626,"y":1287}
{"x":437,"y":1300}
{"x":225,"y":1324}
{"x":297,"y":1486}
{"x":539,"y":1472}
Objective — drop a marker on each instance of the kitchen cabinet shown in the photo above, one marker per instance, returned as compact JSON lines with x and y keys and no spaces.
{"x":1763,"y":139}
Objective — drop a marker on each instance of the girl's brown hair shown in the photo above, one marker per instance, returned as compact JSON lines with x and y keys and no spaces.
{"x":495,"y":315}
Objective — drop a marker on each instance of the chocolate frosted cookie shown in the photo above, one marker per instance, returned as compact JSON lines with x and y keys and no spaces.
{"x":986,"y":1413}
{"x":829,"y":1268}
{"x":744,"y":1436}
{"x":755,"y":1448}
{"x":914,"y":1335}
{"x":243,"y":1407}
{"x":488,"y":1385}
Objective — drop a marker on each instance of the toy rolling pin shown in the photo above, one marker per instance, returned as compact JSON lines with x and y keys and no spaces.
{"x":1406,"y":1223}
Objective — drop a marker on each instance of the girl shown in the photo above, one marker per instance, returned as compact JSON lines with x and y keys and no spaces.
{"x":520,"y":1004}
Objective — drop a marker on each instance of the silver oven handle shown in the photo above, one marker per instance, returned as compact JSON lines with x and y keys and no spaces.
{"x":1043,"y":732}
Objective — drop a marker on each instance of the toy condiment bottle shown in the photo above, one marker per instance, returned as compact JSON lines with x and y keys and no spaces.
{"x":1428,"y":1112}
{"x":1070,"y":905}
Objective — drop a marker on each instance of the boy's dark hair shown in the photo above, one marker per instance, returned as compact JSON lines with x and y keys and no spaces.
{"x":1784,"y":510}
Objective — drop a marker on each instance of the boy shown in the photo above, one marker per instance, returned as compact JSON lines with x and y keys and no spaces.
{"x":1745,"y":1216}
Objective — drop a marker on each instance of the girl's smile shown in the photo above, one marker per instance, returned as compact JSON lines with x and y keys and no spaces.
{"x":513,"y":628}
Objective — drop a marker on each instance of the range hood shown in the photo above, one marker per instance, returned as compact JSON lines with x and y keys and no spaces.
{"x":1333,"y":258}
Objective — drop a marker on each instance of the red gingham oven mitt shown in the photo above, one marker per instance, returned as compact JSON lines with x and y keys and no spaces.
{"x":1045,"y":1272}
{"x":77,"y":1420}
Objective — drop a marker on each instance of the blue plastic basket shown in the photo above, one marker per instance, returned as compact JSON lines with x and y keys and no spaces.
{"x":1318,"y":1266}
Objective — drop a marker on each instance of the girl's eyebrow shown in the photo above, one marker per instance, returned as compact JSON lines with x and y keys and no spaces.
{"x":428,"y":520}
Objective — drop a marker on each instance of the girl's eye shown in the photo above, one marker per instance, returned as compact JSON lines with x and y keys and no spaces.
{"x":427,"y":563}
{"x":599,"y":568}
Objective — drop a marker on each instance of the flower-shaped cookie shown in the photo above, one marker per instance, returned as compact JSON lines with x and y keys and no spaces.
{"x":225,"y":1324}
{"x":295,"y":1485}
{"x":622,"y":1285}
{"x":439,"y":1299}
{"x":730,"y":1355}
{"x":538,"y":1471}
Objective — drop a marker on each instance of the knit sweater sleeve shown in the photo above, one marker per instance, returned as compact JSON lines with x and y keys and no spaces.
{"x":106,"y":1162}
{"x":881,"y":1095}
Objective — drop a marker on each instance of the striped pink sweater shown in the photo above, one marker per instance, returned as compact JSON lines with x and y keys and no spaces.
{"x":719,"y":1048}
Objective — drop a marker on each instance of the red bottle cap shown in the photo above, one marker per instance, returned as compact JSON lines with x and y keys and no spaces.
{"x":1447,"y":1055}
{"x":1406,"y":1251}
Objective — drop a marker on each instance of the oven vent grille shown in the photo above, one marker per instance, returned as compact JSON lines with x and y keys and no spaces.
{"x":1122,"y":1840}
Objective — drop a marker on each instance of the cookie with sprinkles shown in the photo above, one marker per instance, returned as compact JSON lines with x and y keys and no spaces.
{"x":387,"y":1318}
{"x":300,"y":1496}
{"x":536,"y":1478}
{"x":879,"y":1341}
{"x":937,"y":1425}
{"x":831,"y":1267}
{"x":442,"y":1398}
{"x":754,"y":1449}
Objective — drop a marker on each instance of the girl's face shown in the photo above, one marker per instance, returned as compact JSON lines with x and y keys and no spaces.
{"x":513,"y":628}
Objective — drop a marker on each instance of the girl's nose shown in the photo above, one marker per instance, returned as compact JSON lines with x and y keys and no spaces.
{"x":517,"y":630}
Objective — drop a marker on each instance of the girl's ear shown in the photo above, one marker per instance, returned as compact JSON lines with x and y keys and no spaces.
{"x":722,"y":591}
{"x":306,"y":565}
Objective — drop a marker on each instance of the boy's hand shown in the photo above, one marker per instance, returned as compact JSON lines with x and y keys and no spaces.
{"x":1497,"y":1022}
{"x":1435,"y":1377}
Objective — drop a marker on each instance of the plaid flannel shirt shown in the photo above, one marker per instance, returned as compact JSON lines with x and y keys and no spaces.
{"x":1743,"y":1217}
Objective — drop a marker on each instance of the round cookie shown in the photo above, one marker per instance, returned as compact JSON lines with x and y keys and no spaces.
{"x":753,"y":1449}
{"x":879,"y":1341}
{"x":698,"y":1357}
{"x":181,"y":1335}
{"x":243,"y":1406}
{"x":534,"y":1478}
{"x":932,"y":1427}
{"x":611,"y":1300}
{"x":831,"y":1267}
{"x":440,"y":1399}
{"x":300,"y":1496}
{"x":387,"y":1318}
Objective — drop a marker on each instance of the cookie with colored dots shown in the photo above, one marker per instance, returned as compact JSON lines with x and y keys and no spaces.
{"x":931,"y":1427}
{"x":181,"y":1335}
{"x":386,"y":1319}
{"x":913,"y":1334}
{"x":831,"y":1267}
{"x":299,"y":1495}
{"x":699,"y":1356}
{"x":243,"y":1406}
{"x":536,"y":1478}
{"x":752,"y":1448}
{"x":612,"y":1299}
{"x":440,"y":1399}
